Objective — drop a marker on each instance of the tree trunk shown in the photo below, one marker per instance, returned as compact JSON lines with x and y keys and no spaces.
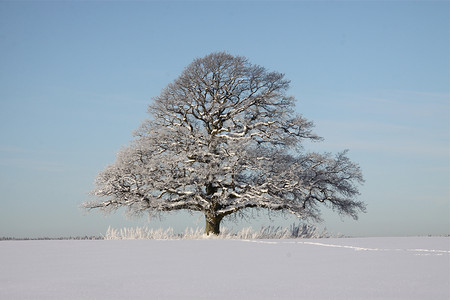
{"x":212,"y":224}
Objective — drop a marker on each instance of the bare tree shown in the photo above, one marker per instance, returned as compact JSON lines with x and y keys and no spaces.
{"x":223,"y":138}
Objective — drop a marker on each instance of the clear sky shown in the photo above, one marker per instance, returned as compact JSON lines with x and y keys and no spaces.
{"x":76,"y":79}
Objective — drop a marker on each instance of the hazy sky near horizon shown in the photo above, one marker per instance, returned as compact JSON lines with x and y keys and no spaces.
{"x":76,"y":78}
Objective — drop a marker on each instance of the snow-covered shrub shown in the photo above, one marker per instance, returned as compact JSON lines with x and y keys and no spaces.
{"x":265,"y":232}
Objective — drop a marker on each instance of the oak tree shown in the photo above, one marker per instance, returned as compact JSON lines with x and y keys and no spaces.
{"x":223,"y":138}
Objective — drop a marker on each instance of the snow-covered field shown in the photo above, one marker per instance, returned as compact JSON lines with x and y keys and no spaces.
{"x":357,"y":268}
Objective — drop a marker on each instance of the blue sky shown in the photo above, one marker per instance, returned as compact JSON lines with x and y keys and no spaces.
{"x":76,"y":79}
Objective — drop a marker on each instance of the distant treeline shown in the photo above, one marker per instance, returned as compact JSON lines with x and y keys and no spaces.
{"x":50,"y":239}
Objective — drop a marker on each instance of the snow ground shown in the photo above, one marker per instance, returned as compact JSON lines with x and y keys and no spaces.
{"x":359,"y":268}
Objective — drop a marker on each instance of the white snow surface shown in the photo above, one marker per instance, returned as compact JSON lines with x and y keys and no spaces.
{"x":344,"y":268}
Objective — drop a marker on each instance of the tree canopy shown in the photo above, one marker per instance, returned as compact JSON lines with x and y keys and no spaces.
{"x":222,"y":138}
